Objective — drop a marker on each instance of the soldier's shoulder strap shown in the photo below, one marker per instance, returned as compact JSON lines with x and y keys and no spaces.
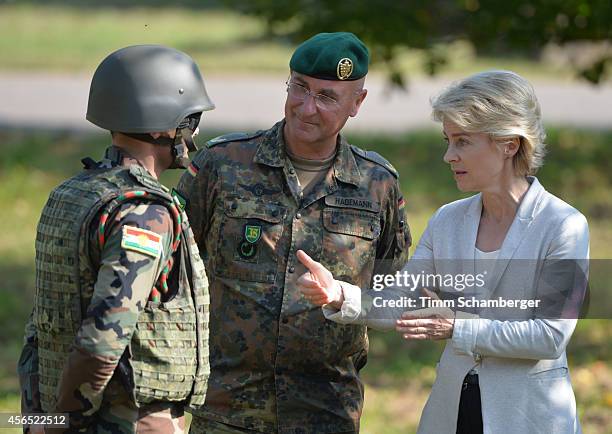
{"x":233,"y":137}
{"x":152,"y":197}
{"x":375,"y":157}
{"x":144,"y":178}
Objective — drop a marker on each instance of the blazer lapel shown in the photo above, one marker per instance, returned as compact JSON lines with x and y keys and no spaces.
{"x":518,"y":229}
{"x":469,"y":231}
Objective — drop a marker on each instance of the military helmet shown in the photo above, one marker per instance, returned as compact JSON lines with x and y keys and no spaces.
{"x":146,"y":88}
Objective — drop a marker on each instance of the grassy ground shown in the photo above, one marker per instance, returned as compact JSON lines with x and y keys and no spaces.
{"x":75,"y":39}
{"x":398,"y":375}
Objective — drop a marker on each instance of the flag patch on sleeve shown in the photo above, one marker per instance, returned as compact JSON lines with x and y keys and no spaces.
{"x":193,"y":169}
{"x":142,"y":241}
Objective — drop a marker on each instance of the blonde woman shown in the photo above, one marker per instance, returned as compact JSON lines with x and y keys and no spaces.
{"x":503,"y":370}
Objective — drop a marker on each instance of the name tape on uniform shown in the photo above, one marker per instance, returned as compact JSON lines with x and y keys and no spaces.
{"x":352,"y":202}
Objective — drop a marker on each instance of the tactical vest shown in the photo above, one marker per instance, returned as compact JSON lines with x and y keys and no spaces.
{"x":167,"y":357}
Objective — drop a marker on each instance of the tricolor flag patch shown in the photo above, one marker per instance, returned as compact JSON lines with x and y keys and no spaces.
{"x":401,"y":203}
{"x":193,"y":169}
{"x":142,"y":241}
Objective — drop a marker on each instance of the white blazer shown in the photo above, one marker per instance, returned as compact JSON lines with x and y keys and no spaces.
{"x":523,"y":374}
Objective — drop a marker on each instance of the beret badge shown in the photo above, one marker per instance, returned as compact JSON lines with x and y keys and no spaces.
{"x":344,"y":68}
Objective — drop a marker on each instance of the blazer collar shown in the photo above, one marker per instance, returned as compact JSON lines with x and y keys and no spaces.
{"x":471,"y":220}
{"x":525,"y":214}
{"x":531,"y":201}
{"x":526,"y":211}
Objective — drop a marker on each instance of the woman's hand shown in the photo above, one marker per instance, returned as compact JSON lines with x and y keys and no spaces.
{"x":430,"y":323}
{"x":318,"y":285}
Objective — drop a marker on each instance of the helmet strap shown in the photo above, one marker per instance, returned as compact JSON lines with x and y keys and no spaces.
{"x":181,"y":144}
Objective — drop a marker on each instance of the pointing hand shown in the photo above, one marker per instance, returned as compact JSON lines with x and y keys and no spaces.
{"x":318,"y":284}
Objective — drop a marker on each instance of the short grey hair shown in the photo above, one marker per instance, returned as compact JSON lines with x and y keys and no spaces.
{"x":499,"y":103}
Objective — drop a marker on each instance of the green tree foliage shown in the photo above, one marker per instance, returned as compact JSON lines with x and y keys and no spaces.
{"x":493,"y":27}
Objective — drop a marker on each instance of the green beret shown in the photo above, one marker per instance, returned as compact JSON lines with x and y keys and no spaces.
{"x":331,"y":56}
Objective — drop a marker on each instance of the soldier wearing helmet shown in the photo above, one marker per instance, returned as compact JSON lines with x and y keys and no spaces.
{"x":118,"y":334}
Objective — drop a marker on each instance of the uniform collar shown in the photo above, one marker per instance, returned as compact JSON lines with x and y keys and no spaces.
{"x":115,"y":156}
{"x":345,"y":166}
{"x":271,"y":152}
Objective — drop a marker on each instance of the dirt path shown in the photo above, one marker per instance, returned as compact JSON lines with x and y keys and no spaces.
{"x":243,"y":103}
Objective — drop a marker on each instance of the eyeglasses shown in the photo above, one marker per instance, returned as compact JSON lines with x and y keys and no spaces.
{"x":323,"y":102}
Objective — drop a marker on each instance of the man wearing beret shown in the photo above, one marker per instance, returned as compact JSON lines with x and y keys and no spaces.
{"x":277,"y":366}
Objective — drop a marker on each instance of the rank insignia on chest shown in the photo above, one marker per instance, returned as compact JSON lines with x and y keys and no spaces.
{"x":252,"y":233}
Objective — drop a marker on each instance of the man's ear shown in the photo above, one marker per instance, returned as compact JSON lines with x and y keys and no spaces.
{"x":358,"y":101}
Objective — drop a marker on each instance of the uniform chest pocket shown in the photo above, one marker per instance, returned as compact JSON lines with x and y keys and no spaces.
{"x":349,"y":243}
{"x":249,"y":236}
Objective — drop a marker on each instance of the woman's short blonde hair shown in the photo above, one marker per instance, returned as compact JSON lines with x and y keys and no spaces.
{"x":502,"y":104}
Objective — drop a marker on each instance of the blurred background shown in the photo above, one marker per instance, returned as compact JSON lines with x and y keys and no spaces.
{"x":49,"y":50}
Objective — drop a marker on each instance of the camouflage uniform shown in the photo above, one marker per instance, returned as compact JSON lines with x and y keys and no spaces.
{"x":276,"y":364}
{"x":111,"y":353}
